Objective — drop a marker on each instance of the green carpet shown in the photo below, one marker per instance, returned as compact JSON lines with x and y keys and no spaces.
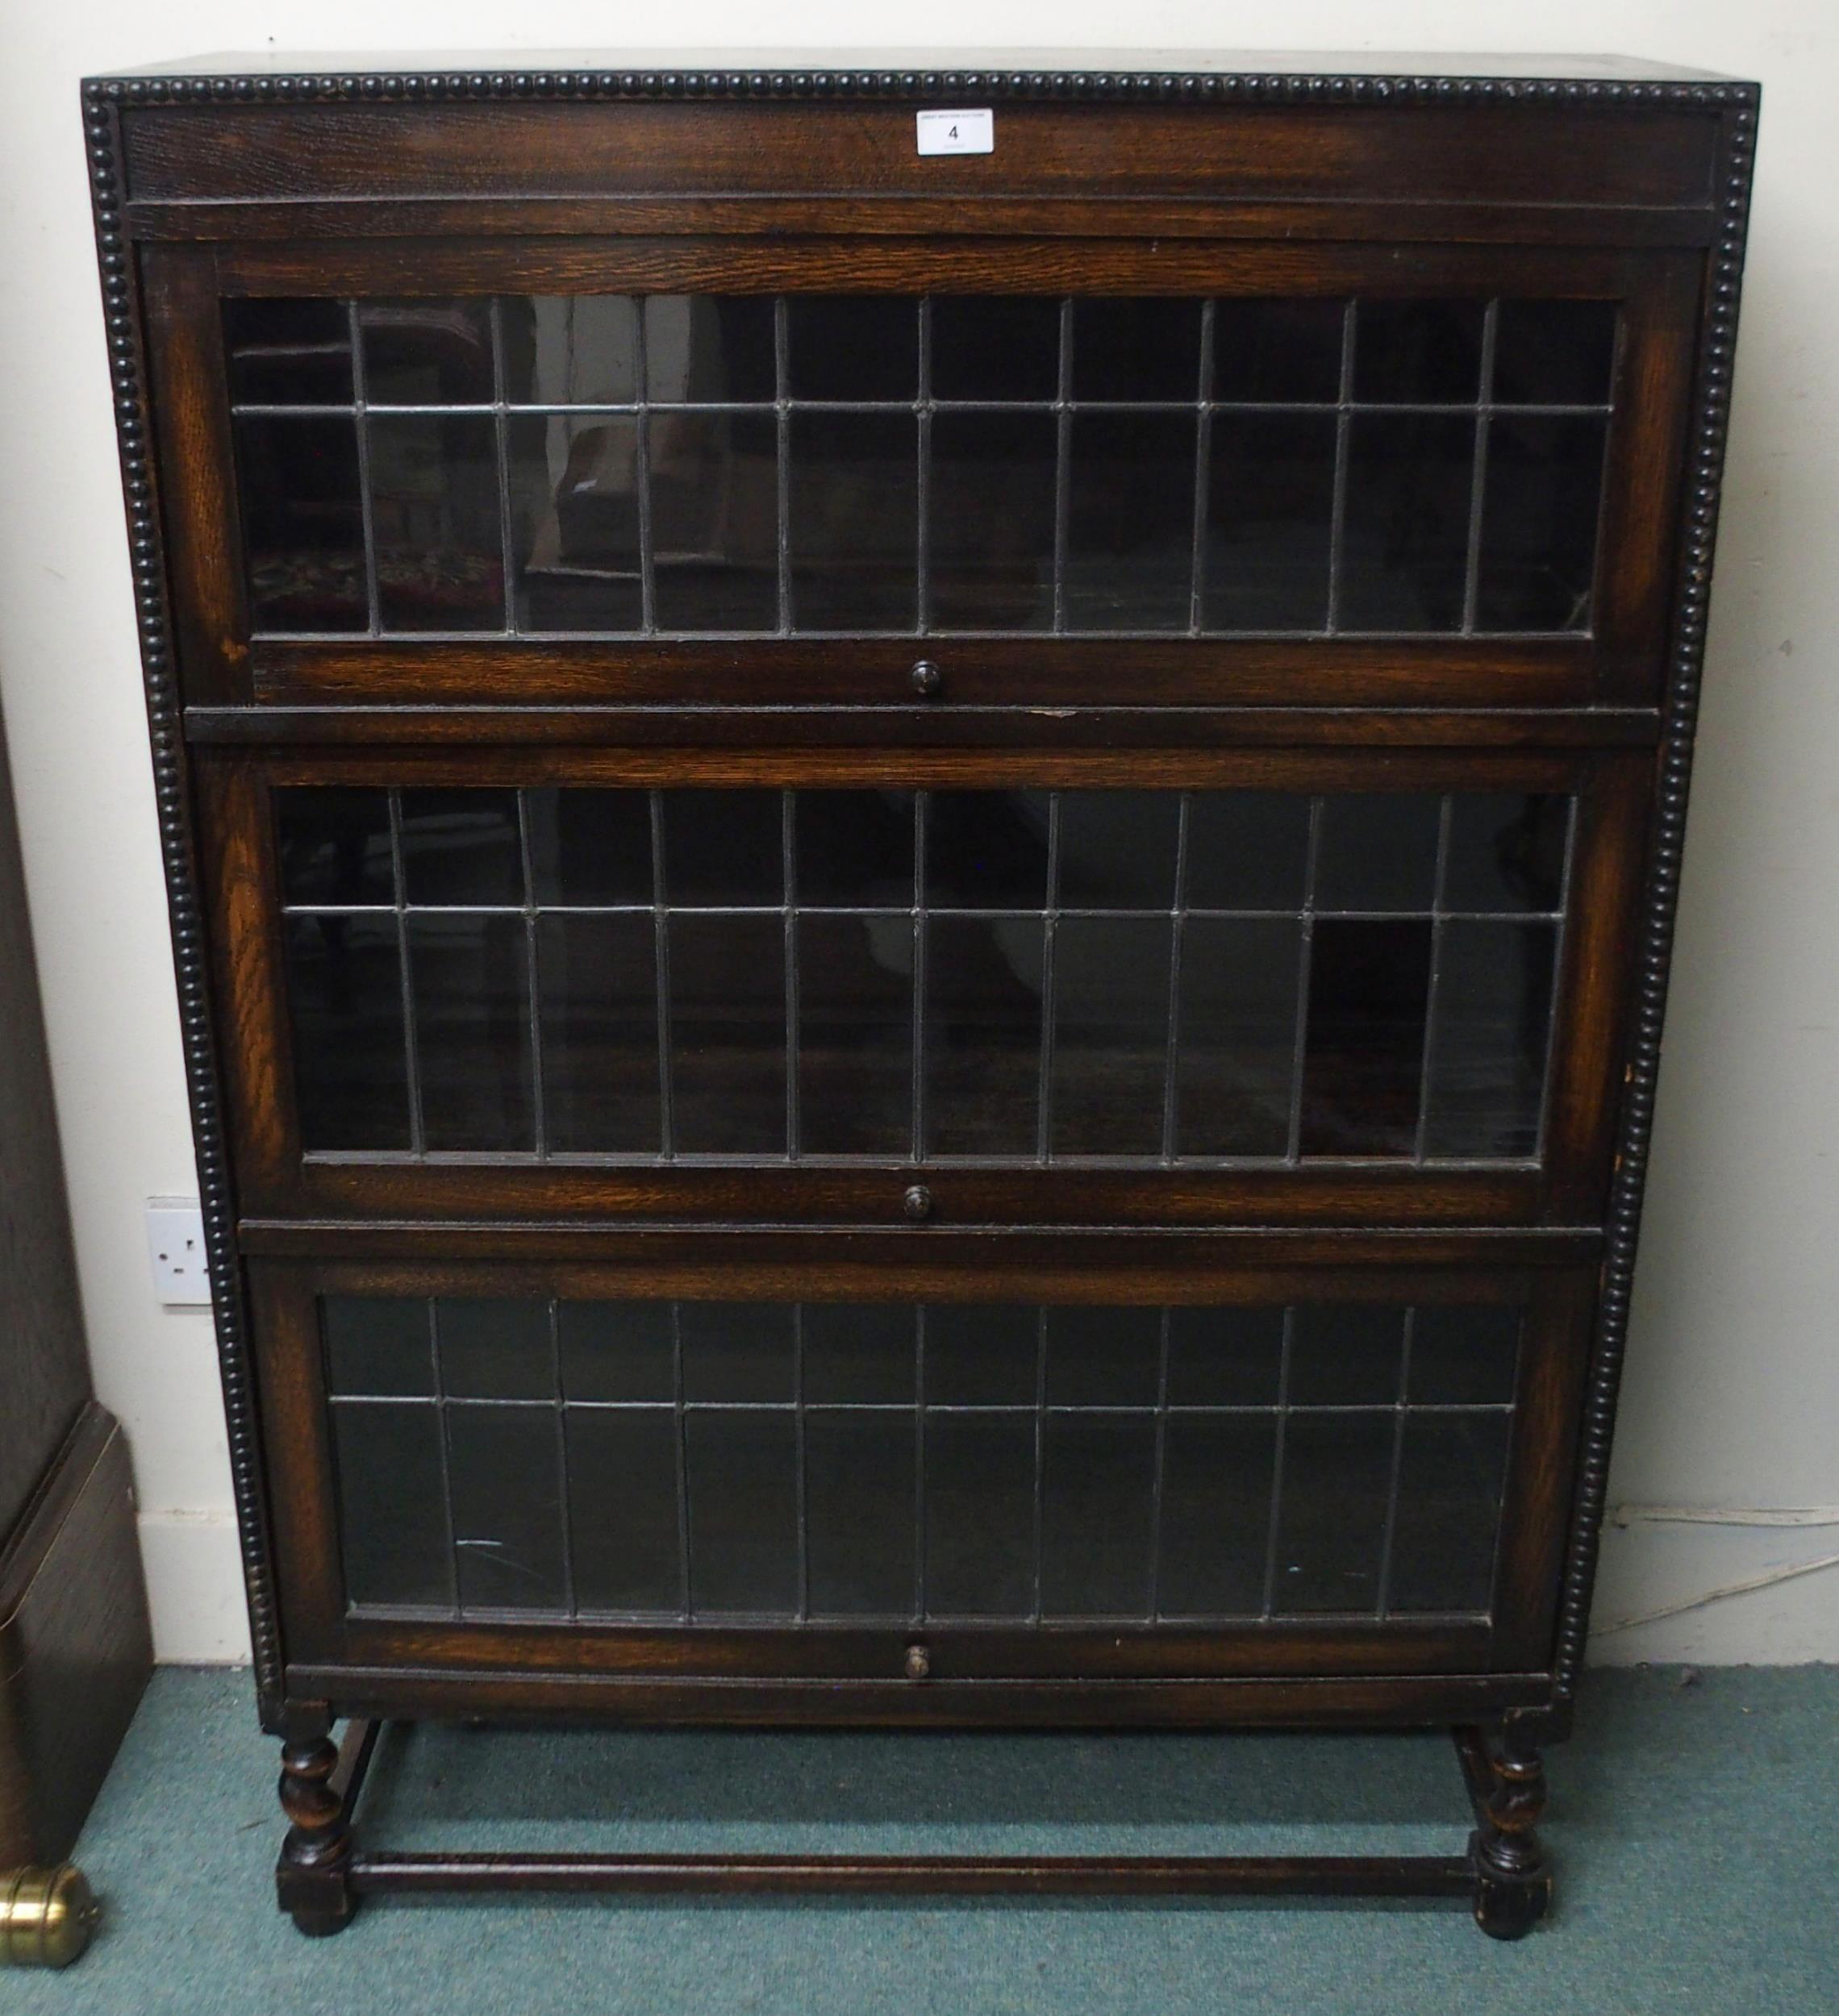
{"x":1695,"y":1829}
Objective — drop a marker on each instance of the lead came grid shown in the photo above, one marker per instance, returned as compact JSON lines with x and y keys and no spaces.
{"x":705,"y":465}
{"x":879,"y":1463}
{"x":1116,"y":978}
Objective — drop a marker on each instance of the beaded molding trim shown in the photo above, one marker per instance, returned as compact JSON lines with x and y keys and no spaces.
{"x":1736,"y":104}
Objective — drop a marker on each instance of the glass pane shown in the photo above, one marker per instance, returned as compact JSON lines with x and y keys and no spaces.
{"x":1130,"y":522}
{"x":1554,"y":352}
{"x":1144,"y":349}
{"x":470,"y":977}
{"x":1345,"y":1354}
{"x":1414,"y":352}
{"x":426,"y":352}
{"x":1098,"y":1515}
{"x":709,"y":349}
{"x":1377,"y":851}
{"x":303,"y":523}
{"x":434,"y":509}
{"x":570,"y":349}
{"x":335,"y":845}
{"x":738,"y":1351}
{"x":1493,"y":1023}
{"x":982,"y":1354}
{"x":574,"y":497}
{"x":855,"y":848}
{"x":1507,"y":853}
{"x":344,"y":999}
{"x":495,"y":1349}
{"x":743,"y":1485}
{"x":1369,"y":983}
{"x":392,"y":1504}
{"x":1229,"y":1357}
{"x":623,"y":1509}
{"x":1269,"y":513}
{"x":616,"y":1351}
{"x":983,"y":1035}
{"x":1544,"y":489}
{"x":1216,"y":1485}
{"x":1103,"y":1357}
{"x":590,"y":847}
{"x":727,"y":1029}
{"x":991,"y":522}
{"x":1111,"y":1034}
{"x":715,"y":520}
{"x":597,"y":980}
{"x":995,"y":347}
{"x":861,"y":1514}
{"x":1331,"y":1520}
{"x":1236,"y":1057}
{"x":980,"y":1514}
{"x":462,"y":847}
{"x":724,"y":849}
{"x":1465,"y":1353}
{"x":855,"y":501}
{"x":853,"y":347}
{"x":378,"y":1344}
{"x":1405,"y":534}
{"x":1451,"y":1470}
{"x":859,"y":1352}
{"x":1117,"y":849}
{"x":1277,"y":351}
{"x":855,"y":1034}
{"x":505,"y":1463}
{"x":288,"y":352}
{"x":986,"y":850}
{"x":1247,"y":850}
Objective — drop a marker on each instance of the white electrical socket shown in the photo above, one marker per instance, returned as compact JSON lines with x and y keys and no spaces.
{"x":175,"y":1245}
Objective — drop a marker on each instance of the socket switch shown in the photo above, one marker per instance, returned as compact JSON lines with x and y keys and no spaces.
{"x":175,"y":1246}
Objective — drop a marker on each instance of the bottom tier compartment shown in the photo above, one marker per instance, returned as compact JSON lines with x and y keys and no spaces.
{"x":691,"y":1472}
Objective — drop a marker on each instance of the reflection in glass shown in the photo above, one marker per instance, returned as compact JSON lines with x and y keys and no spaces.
{"x":1215,"y":1525}
{"x":623,"y":1509}
{"x":727,"y":1025}
{"x":344,"y":998}
{"x":1369,"y":983}
{"x":597,"y":982}
{"x":1332,"y":1514}
{"x":571,"y":350}
{"x":1098,"y":1514}
{"x":1287,"y":351}
{"x":334,"y":844}
{"x":990,"y":528}
{"x":855,"y":849}
{"x":507,"y":1512}
{"x":983,"y":1017}
{"x":1538,"y":546}
{"x":980,"y":1525}
{"x":995,"y":347}
{"x":1238,"y":1046}
{"x":1507,"y":852}
{"x":288,"y":352}
{"x":1405,"y":536}
{"x":303,"y":522}
{"x":462,"y":847}
{"x":434,"y":510}
{"x":575,"y":521}
{"x":1487,"y":1058}
{"x":855,"y":499}
{"x":469,"y":977}
{"x":426,"y":352}
{"x":1452,"y":1473}
{"x":855,"y":1034}
{"x":852,"y":347}
{"x":743,"y":1493}
{"x":1377,"y":851}
{"x":709,"y":349}
{"x":859,"y":1513}
{"x":1130,"y":521}
{"x":986,"y":850}
{"x":392,"y":1504}
{"x":714,"y":521}
{"x":589,"y":847}
{"x":1110,"y":1035}
{"x":1270,"y":515}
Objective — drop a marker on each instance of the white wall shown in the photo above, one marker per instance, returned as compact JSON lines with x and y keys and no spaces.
{"x":1732,"y":1390}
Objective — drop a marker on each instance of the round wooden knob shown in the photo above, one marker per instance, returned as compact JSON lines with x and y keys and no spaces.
{"x":919,"y":1662}
{"x":926,"y":679}
{"x":917,"y":1203}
